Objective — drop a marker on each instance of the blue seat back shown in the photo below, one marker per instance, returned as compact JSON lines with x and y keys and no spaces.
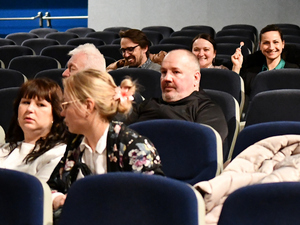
{"x":189,"y":151}
{"x":129,"y":198}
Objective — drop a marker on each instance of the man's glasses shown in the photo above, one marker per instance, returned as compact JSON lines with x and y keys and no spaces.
{"x":129,"y":50}
{"x":64,"y":105}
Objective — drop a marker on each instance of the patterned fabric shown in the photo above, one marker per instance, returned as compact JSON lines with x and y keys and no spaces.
{"x":126,"y":151}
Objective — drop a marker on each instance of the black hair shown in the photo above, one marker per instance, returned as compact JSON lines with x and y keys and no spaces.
{"x":138,"y":37}
{"x":269,"y":28}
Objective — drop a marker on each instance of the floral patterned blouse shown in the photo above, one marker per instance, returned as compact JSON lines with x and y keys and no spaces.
{"x":126,"y":151}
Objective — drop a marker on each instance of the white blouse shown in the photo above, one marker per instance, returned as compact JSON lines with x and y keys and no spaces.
{"x":42,"y":167}
{"x":97,"y":160}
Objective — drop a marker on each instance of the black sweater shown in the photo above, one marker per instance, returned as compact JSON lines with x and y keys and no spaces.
{"x":197,"y":107}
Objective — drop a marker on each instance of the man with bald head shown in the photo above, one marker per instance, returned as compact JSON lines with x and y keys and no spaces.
{"x":180,"y":76}
{"x":182,"y":97}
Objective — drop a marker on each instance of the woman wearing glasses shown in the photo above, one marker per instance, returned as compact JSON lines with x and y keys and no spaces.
{"x":91,"y":101}
{"x":35,"y":141}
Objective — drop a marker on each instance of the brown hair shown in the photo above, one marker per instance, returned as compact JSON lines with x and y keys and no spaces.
{"x":269,"y":28}
{"x":41,"y":88}
{"x":137,"y":37}
{"x":205,"y":37}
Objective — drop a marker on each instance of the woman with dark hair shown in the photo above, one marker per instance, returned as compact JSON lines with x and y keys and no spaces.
{"x":35,"y":141}
{"x":204,"y":47}
{"x":273,"y":54}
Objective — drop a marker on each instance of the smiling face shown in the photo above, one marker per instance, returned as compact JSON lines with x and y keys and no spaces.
{"x":271,"y":45}
{"x":35,"y":117}
{"x":179,"y":75}
{"x":204,"y":51}
{"x":137,"y":56}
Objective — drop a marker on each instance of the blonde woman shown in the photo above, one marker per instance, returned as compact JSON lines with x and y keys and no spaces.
{"x":91,"y":101}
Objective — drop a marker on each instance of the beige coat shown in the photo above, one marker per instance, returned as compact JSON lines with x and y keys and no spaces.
{"x":275,"y":159}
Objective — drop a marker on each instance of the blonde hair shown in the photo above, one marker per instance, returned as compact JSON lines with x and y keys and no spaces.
{"x":99,"y":86}
{"x":95,"y":59}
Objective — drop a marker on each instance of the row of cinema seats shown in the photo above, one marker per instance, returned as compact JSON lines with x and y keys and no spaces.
{"x":155,"y":33}
{"x":112,"y":198}
{"x":275,"y":95}
{"x":24,"y":59}
{"x":161,"y":37}
{"x":161,"y":40}
{"x":227,"y":39}
{"x":137,"y":197}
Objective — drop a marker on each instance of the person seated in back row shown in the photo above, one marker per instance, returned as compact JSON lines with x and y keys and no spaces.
{"x":135,"y":50}
{"x":182,"y":97}
{"x":85,"y":56}
{"x":272,"y":56}
{"x":204,"y":48}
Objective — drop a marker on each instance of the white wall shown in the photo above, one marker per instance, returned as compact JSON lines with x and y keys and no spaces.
{"x":177,"y":14}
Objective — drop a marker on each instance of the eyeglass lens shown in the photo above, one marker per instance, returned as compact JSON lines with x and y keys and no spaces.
{"x":129,"y":49}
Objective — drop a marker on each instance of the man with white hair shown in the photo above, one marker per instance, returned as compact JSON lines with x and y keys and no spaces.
{"x":85,"y":56}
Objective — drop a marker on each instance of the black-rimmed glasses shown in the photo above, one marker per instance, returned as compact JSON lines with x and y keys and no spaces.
{"x":129,"y":50}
